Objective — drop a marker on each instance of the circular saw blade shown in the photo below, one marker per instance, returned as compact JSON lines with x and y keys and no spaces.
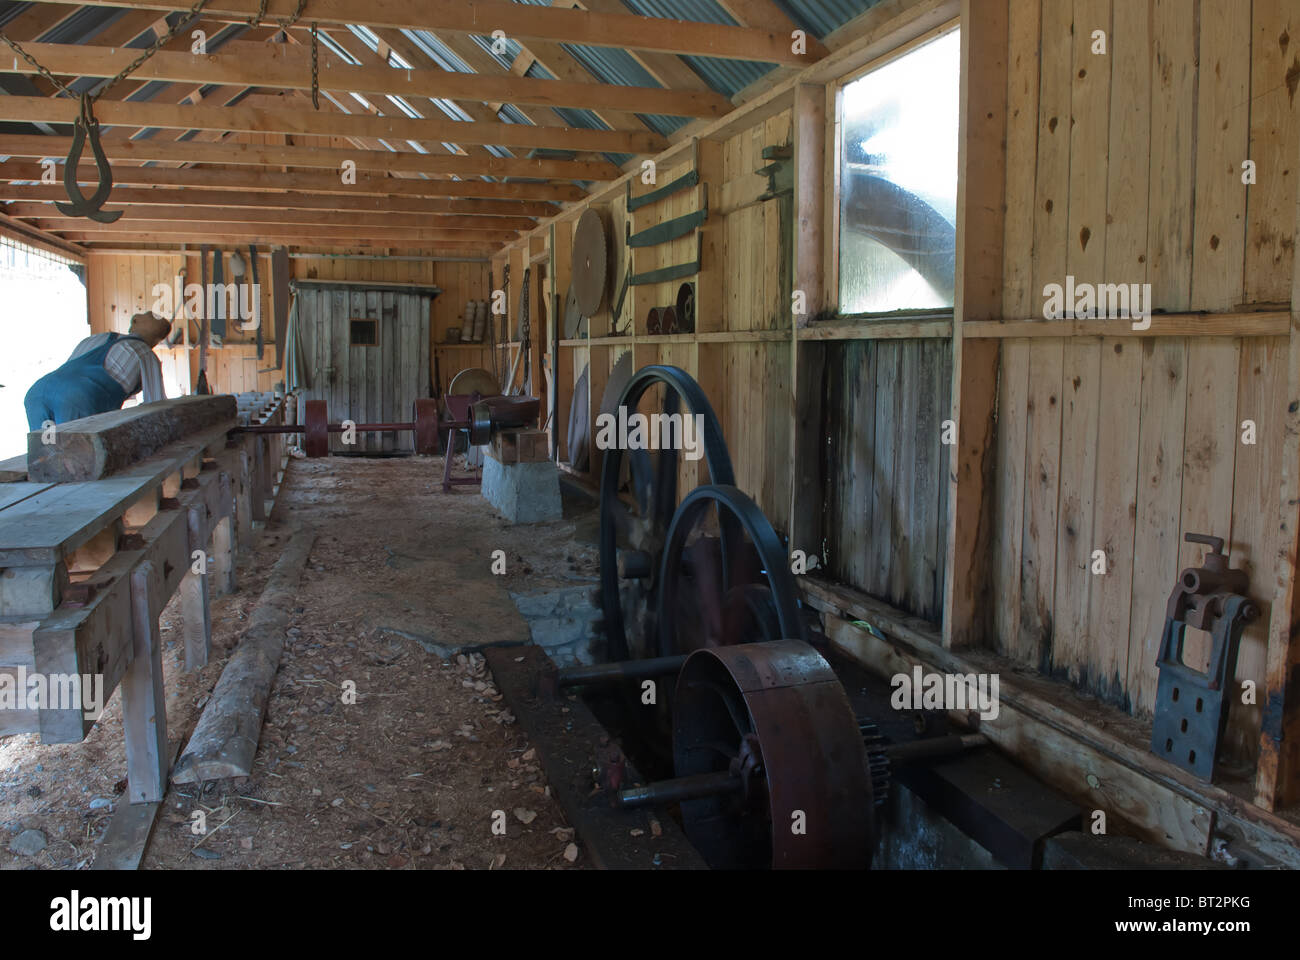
{"x":575,"y":324}
{"x":473,"y":380}
{"x":590,"y":262}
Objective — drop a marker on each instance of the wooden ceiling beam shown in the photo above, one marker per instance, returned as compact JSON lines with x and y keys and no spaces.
{"x":259,"y":233}
{"x":288,"y":67}
{"x":522,"y":21}
{"x":94,"y":242}
{"x":192,"y":214}
{"x":248,"y":178}
{"x":261,"y":155}
{"x":519,"y":214}
{"x":135,"y":115}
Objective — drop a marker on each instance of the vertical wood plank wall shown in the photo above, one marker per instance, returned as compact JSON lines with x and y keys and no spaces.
{"x":120,"y":284}
{"x":1126,"y":168}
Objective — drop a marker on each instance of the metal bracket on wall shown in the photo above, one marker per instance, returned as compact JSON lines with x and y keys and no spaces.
{"x":670,"y":229}
{"x":675,"y":272}
{"x":688,"y":179}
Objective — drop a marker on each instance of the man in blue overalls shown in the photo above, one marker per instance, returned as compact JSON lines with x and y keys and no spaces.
{"x":101,"y":373}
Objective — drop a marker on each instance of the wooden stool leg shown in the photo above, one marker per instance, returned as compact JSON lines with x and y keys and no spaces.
{"x":144,"y":706}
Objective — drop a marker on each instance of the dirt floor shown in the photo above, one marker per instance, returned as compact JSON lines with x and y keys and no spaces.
{"x":412,"y":773}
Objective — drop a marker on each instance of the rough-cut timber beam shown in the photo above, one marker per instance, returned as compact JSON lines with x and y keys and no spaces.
{"x":260,"y":120}
{"x":524,"y":21}
{"x":289,"y":67}
{"x":289,"y":232}
{"x":250,"y":179}
{"x":94,"y":447}
{"x":516,"y":214}
{"x":323,"y":247}
{"x":981,"y":180}
{"x":192,"y":214}
{"x":259,"y":155}
{"x":1277,"y":775}
{"x":225,"y":739}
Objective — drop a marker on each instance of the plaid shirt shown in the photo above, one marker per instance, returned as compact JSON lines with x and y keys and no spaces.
{"x":131,"y":363}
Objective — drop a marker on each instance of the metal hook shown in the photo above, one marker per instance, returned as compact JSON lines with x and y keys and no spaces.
{"x":79,"y":206}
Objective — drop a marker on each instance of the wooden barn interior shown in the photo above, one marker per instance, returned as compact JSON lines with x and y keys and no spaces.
{"x":981,"y":555}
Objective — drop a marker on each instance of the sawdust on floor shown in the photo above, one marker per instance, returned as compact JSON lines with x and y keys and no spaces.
{"x":415,"y":772}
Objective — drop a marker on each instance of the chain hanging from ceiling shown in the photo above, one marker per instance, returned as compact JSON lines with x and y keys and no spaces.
{"x":86,"y":127}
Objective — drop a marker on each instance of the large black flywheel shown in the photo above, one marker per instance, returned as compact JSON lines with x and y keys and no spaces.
{"x":637,"y":507}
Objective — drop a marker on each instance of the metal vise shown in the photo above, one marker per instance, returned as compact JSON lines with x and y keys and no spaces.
{"x":1192,"y":707}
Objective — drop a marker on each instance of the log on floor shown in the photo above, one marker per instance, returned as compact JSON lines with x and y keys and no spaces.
{"x":225,"y":739}
{"x":95,"y":447}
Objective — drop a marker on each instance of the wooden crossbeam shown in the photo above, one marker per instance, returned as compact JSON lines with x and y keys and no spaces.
{"x":253,"y":179}
{"x":289,"y":67}
{"x":291,"y":232}
{"x":259,"y":155}
{"x":133,"y":213}
{"x":228,"y":213}
{"x":505,"y":214}
{"x":259,"y":120}
{"x":524,"y":21}
{"x":322,"y":246}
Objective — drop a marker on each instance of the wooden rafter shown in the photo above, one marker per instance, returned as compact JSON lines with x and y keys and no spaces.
{"x":260,"y":232}
{"x":378,"y":160}
{"x":522,"y":21}
{"x":296,"y":121}
{"x":188,"y":213}
{"x":275,"y":65}
{"x":517,"y":213}
{"x":314,"y":182}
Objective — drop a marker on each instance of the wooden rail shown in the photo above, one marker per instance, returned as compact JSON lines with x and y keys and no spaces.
{"x":87,"y":567}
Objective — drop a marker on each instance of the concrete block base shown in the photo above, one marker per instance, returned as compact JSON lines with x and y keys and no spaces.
{"x":522,"y":492}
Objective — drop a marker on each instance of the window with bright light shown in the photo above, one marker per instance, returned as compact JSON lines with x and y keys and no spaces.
{"x":44,"y":320}
{"x":898,"y":182}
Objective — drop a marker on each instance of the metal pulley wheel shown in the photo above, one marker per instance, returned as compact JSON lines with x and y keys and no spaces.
{"x":425,"y":417}
{"x":590,"y":262}
{"x":686,"y":308}
{"x":724,"y":578}
{"x":638,"y":526}
{"x":316,"y":438}
{"x":771,"y":725}
{"x":474,"y":380}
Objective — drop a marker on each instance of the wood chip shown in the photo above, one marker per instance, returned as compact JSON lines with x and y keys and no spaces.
{"x":655,"y":829}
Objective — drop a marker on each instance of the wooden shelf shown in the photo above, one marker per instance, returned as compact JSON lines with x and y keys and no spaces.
{"x":879,"y":329}
{"x":718,"y":336}
{"x":474,"y":346}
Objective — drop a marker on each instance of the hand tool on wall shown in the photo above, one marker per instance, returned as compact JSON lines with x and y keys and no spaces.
{"x":201,"y":385}
{"x":256,"y":300}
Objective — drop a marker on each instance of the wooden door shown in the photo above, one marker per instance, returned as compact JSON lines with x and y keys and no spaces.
{"x":368,"y":352}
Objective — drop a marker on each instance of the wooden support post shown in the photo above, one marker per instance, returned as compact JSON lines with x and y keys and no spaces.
{"x":144,"y":705}
{"x":248,"y":494}
{"x":980,"y":190}
{"x":808,"y":359}
{"x":225,"y":538}
{"x":194,"y":594}
{"x":809,"y":122}
{"x":1277,"y":777}
{"x":255,"y":480}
